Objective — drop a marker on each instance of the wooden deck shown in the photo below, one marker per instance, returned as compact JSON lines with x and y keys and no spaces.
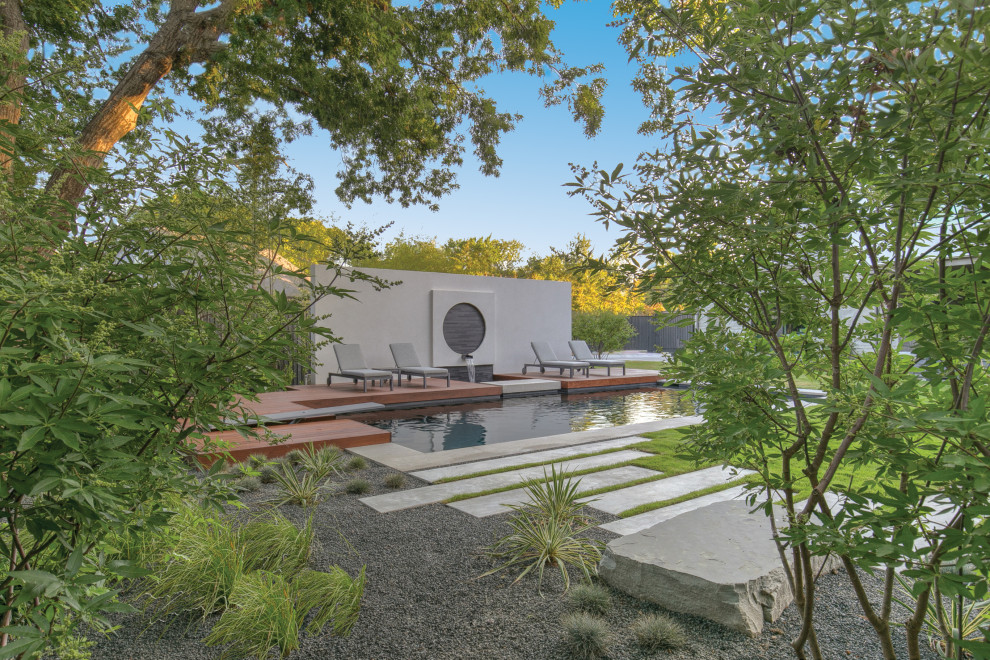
{"x":343,"y":433}
{"x":595,"y":380}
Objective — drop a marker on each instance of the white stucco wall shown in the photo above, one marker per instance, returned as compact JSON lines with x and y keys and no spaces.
{"x":516,"y":312}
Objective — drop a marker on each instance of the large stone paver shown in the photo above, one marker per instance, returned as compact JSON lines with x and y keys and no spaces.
{"x":490,"y":505}
{"x":657,"y":491}
{"x":436,"y":474}
{"x":414,"y":497}
{"x":718,"y":562}
{"x":633,"y":524}
{"x":411,"y":460}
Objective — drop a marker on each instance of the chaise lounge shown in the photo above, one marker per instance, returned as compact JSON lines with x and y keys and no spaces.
{"x":547,"y":359}
{"x":407,"y":362}
{"x":351,"y":363}
{"x":581,"y":351}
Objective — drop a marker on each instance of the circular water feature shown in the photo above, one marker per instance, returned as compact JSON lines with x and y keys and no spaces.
{"x":464,"y":328}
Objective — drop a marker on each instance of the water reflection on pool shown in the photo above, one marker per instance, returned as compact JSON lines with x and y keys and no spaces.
{"x":452,"y":427}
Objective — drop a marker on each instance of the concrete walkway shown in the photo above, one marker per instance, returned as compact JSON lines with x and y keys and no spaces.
{"x":407,"y":499}
{"x":623,"y":499}
{"x":436,"y":474}
{"x":633,"y":524}
{"x":410,"y":460}
{"x":490,"y":505}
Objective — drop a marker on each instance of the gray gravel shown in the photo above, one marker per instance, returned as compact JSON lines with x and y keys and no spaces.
{"x":424,"y":599}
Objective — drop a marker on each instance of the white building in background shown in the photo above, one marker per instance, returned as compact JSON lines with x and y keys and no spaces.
{"x":447,"y":317}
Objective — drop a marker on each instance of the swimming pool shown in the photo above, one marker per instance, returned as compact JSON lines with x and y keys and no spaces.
{"x":451,"y":427}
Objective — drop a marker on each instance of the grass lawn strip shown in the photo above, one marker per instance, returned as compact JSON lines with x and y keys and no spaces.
{"x":663,"y":444}
{"x":643,"y":508}
{"x":510,"y":468}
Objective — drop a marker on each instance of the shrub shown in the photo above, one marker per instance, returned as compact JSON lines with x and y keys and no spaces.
{"x":305,"y":491}
{"x":321,"y":462}
{"x":591,"y":598}
{"x":654,"y":632}
{"x":357,"y":486}
{"x":357,"y":463}
{"x":585,"y":636}
{"x":546,"y":532}
{"x":604,"y":331}
{"x":395,"y":480}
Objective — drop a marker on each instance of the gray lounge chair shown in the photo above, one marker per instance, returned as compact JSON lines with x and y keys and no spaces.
{"x":408,"y":363}
{"x":581,"y":351}
{"x":351,"y":362}
{"x":547,"y":359}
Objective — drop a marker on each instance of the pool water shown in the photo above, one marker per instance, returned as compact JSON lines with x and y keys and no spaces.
{"x":467,"y":425}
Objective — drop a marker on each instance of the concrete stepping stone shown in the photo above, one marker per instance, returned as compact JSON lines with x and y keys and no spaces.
{"x":490,"y":505}
{"x":414,"y":497}
{"x":633,"y":524}
{"x":665,"y":489}
{"x":411,"y":460}
{"x":718,"y":562}
{"x":436,"y":474}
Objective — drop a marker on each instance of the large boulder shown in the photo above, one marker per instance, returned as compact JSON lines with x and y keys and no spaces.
{"x":718,"y":562}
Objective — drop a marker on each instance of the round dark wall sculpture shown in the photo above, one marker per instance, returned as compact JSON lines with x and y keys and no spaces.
{"x":464,"y":328}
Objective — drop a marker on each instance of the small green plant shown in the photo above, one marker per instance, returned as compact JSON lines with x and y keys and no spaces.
{"x":357,"y":463}
{"x":266,"y":474}
{"x":942,"y":621}
{"x":546,"y":531}
{"x":654,"y":632}
{"x":294,"y":457}
{"x":395,"y":480}
{"x":321,"y":462}
{"x":357,"y":486}
{"x":591,"y":598}
{"x":256,"y":461}
{"x":304,"y":491}
{"x":585,"y":636}
{"x":248,"y":483}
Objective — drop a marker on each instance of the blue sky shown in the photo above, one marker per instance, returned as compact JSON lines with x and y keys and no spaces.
{"x":527,"y":202}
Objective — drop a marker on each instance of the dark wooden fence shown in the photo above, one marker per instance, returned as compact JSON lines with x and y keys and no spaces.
{"x":666,"y":339}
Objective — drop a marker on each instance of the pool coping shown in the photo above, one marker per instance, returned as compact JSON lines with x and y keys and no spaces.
{"x":405,"y":459}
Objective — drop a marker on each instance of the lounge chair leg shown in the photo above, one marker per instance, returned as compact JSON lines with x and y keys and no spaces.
{"x":424,"y":382}
{"x":390,"y":388}
{"x":448,"y":379}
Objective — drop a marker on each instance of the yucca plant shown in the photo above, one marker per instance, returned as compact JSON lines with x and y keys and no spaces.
{"x":555,"y":497}
{"x":321,"y":462}
{"x":304,"y":491}
{"x":943,"y":622}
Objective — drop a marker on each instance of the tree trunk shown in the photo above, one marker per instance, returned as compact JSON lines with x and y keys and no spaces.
{"x":12,"y":26}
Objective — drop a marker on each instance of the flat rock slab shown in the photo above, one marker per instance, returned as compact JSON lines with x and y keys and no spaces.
{"x":412,"y":460}
{"x":665,"y":489}
{"x":496,"y":503}
{"x":718,"y":562}
{"x":637,"y":523}
{"x":414,"y":497}
{"x":437,"y":474}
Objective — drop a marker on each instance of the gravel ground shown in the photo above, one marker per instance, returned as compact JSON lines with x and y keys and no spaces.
{"x":423,"y":599}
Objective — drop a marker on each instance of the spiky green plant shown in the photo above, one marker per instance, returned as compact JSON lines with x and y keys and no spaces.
{"x":304,"y":491}
{"x":654,"y":632}
{"x":546,"y":532}
{"x":357,"y":486}
{"x":294,"y":457}
{"x":585,"y":636}
{"x":321,"y":462}
{"x":591,"y":598}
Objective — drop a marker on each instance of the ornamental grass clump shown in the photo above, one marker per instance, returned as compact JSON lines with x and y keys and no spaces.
{"x":591,"y":598}
{"x":357,"y":486}
{"x":357,"y":463}
{"x":395,"y":480}
{"x":546,"y":531}
{"x":321,"y":462}
{"x":654,"y":632}
{"x":585,"y":636}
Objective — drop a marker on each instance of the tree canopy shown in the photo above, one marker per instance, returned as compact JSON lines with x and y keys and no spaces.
{"x":826,"y":168}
